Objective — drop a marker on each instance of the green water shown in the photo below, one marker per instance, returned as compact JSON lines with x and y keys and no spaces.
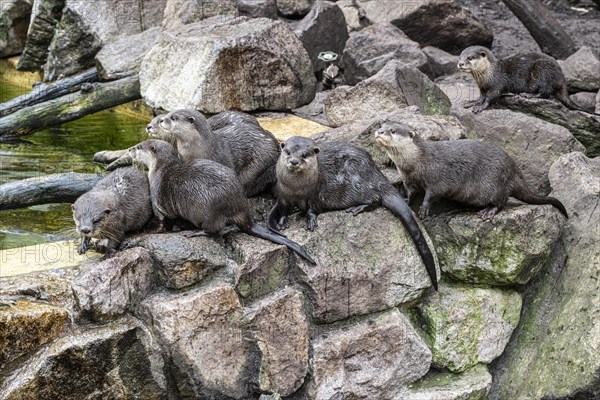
{"x":69,"y":147}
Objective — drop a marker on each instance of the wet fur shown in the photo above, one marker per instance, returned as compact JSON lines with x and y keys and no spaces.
{"x":118,"y":204}
{"x":473,"y":173}
{"x":337,"y":176}
{"x":529,"y":74}
{"x":203,"y":192}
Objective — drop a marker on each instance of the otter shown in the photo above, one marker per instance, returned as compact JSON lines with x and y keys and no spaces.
{"x":118,"y":204}
{"x":244,"y":147}
{"x":526,"y":74}
{"x":207,"y":194}
{"x":337,"y":176}
{"x":473,"y":173}
{"x":153,"y":128}
{"x":228,"y":118}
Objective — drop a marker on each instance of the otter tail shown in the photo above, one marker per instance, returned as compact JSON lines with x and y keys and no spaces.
{"x":563,"y":96}
{"x":524,"y":194}
{"x":264,"y":233}
{"x":397,"y":205}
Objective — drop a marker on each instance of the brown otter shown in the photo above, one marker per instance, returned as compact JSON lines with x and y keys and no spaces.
{"x":203,"y":192}
{"x":474,"y":173}
{"x":337,"y":176}
{"x":118,"y":204}
{"x":244,"y":147}
{"x":527,"y":74}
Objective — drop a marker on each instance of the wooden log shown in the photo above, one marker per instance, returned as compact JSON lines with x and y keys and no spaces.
{"x":544,"y":28}
{"x":70,"y":107}
{"x":55,"y":188}
{"x":45,"y":92}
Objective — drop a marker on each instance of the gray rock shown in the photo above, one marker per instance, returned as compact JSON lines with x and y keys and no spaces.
{"x":370,"y":49}
{"x":183,"y":12}
{"x":440,"y":23}
{"x":112,"y":287}
{"x":257,"y":8}
{"x":51,"y":286}
{"x":585,"y":100}
{"x":459,"y":87}
{"x":473,"y":384}
{"x":123,"y":57}
{"x":440,"y":62}
{"x":14,"y":19}
{"x":322,"y":29}
{"x":534,"y":144}
{"x":279,"y":326}
{"x":468,"y":325}
{"x":375,"y":358}
{"x":598,"y":102}
{"x":582,"y":70}
{"x":87,"y":26}
{"x":45,"y":15}
{"x":365,"y":264}
{"x":181,"y":261}
{"x":114,"y":361}
{"x":396,"y":86}
{"x":509,"y":250}
{"x":559,"y":327}
{"x":262,"y":267}
{"x":201,"y":332}
{"x":294,"y":8}
{"x":354,"y":15}
{"x":234,"y":63}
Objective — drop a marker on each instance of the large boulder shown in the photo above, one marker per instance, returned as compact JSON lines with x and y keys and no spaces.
{"x":294,"y":8}
{"x":467,"y":325}
{"x":279,"y":326}
{"x":183,"y":12}
{"x":534,"y":144}
{"x":87,"y":26}
{"x":354,"y":15}
{"x":114,"y":361}
{"x":45,"y":15}
{"x":112,"y":287}
{"x":369,"y":50}
{"x":582,"y":70}
{"x":375,"y":358}
{"x":439,"y":23}
{"x":357,"y":271}
{"x":201,"y":332}
{"x":14,"y":19}
{"x":322,"y":29}
{"x":440,"y":62}
{"x":509,"y":250}
{"x":224,"y":63}
{"x":395,"y":86}
{"x":257,"y":8}
{"x":553,"y":355}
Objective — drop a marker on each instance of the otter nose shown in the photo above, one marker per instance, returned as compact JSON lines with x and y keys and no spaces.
{"x":85,"y":230}
{"x":461,"y":64}
{"x":148,"y":127}
{"x":294,"y":162}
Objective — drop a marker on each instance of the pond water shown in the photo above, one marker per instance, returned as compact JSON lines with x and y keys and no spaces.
{"x":69,"y":147}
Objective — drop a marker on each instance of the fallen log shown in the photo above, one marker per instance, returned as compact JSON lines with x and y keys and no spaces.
{"x":45,"y":92}
{"x":544,"y":28}
{"x":55,"y":188}
{"x":90,"y":99}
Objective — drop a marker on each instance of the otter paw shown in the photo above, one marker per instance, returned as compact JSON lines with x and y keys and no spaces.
{"x":478,"y":109}
{"x":487,"y":214}
{"x":82,"y":249}
{"x":423,"y":212}
{"x":191,"y":234}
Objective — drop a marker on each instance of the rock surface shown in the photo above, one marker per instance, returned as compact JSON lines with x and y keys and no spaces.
{"x":440,"y":62}
{"x":183,"y":12}
{"x":585,"y":100}
{"x":582,"y":70}
{"x":235,"y":63}
{"x":533,"y":144}
{"x":257,"y":8}
{"x":396,"y":86}
{"x":110,"y":288}
{"x":354,"y":15}
{"x":372,"y":359}
{"x":468,"y":325}
{"x":439,"y":23}
{"x":559,"y":326}
{"x":511,"y":249}
{"x":14,"y":19}
{"x":45,"y":15}
{"x":369,"y":50}
{"x":294,"y":8}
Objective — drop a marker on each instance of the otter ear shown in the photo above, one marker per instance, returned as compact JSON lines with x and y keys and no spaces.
{"x":482,"y":53}
{"x":73,"y":207}
{"x":412,"y":134}
{"x":316,"y":150}
{"x":153,"y":148}
{"x":191,"y":119}
{"x":107,"y":211}
{"x":282,"y":145}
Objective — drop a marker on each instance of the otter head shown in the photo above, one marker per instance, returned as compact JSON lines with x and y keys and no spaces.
{"x":149,"y":152}
{"x":93,"y":213}
{"x":184,"y":124}
{"x":476,"y":60}
{"x":154,"y":128}
{"x":398,"y":140}
{"x":299,"y":154}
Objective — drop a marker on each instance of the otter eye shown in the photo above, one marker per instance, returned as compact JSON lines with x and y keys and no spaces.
{"x":304,"y":155}
{"x":286,"y":151}
{"x":392,"y":130}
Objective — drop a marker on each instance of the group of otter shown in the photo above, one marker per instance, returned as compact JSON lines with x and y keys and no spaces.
{"x":202,"y":171}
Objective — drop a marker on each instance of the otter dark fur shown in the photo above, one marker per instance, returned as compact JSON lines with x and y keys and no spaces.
{"x":474,"y":173}
{"x":118,"y":204}
{"x":337,"y":176}
{"x":244,"y":147}
{"x":203,"y":192}
{"x":228,"y":118}
{"x":527,"y":74}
